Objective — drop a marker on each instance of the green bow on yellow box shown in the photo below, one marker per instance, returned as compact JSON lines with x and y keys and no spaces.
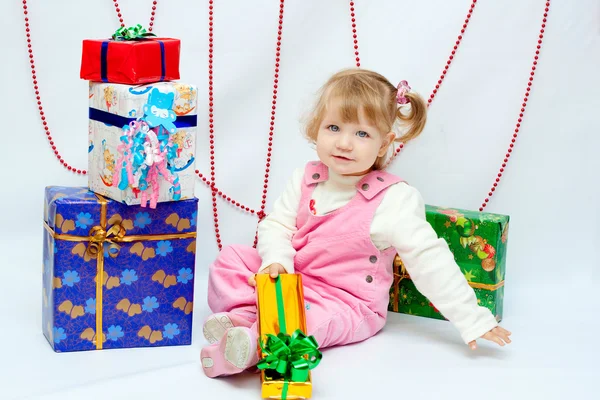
{"x":287,"y":358}
{"x":286,"y":355}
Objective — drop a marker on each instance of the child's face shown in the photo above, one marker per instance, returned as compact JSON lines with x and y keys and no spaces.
{"x":350,"y":148}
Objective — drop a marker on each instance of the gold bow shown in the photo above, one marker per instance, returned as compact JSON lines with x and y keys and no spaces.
{"x":99,"y":237}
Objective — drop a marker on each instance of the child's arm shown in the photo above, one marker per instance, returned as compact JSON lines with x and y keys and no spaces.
{"x":276,"y":230}
{"x":430,"y":263}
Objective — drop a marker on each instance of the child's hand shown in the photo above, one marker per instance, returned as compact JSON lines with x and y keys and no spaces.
{"x":274,"y":270}
{"x":498,"y":335}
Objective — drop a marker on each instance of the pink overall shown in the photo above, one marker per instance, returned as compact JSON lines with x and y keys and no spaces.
{"x":346,"y":278}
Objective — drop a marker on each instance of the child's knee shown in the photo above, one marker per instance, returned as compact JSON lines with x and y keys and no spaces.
{"x":226,"y":258}
{"x":235,"y":254}
{"x":227,"y":253}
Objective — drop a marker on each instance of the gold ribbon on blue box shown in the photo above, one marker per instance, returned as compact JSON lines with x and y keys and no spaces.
{"x":286,"y":359}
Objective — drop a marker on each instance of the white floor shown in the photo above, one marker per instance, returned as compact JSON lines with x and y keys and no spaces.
{"x":554,"y":353}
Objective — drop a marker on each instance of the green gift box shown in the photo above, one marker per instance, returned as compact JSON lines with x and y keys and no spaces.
{"x":478,"y":241}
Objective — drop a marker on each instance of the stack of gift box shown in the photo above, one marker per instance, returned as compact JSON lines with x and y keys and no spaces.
{"x":119,"y":254}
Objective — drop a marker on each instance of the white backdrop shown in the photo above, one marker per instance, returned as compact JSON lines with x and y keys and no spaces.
{"x":550,"y":187}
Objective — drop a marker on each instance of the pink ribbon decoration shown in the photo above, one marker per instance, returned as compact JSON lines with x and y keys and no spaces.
{"x":403,"y":89}
{"x":142,"y":159}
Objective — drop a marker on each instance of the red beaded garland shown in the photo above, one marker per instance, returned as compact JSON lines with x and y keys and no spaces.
{"x":525,"y":99}
{"x":522,"y":110}
{"x":211,"y":182}
{"x":354,"y":36}
{"x":152,"y":14}
{"x":39,"y":99}
{"x":443,"y":75}
{"x":272,"y":122}
{"x":211,"y":126}
{"x":36,"y":88}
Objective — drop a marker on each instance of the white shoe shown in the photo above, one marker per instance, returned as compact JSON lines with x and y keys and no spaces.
{"x":237,"y":347}
{"x":233,"y":354}
{"x":215,"y":327}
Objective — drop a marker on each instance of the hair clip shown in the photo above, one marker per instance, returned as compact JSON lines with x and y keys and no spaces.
{"x":403,"y":89}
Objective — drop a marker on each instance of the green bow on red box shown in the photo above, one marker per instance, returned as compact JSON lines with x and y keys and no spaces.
{"x":132,"y":33}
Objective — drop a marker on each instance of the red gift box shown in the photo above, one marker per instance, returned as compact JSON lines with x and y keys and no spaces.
{"x":130,"y":62}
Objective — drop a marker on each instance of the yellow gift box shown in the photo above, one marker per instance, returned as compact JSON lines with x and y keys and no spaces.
{"x":286,"y":289}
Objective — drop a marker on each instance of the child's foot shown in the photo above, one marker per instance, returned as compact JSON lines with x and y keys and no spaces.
{"x":215,"y":325}
{"x":235,"y":353}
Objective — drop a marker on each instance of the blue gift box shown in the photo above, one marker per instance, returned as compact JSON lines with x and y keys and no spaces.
{"x":124,"y":271}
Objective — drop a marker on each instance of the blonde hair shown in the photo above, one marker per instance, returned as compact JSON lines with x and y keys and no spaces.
{"x":369,"y":92}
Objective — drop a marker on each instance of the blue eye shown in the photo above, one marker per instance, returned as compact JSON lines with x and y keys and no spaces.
{"x":333,"y":128}
{"x":362,"y":134}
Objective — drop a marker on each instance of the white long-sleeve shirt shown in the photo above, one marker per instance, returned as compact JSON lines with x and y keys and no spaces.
{"x":399,"y":222}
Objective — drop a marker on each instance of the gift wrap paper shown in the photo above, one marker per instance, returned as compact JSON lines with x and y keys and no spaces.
{"x":268,"y":323}
{"x":478,"y":241}
{"x":131,"y":62}
{"x":116,"y":276}
{"x":111,"y":107}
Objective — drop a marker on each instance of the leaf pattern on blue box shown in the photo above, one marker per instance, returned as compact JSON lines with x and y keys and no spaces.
{"x":191,"y":247}
{"x":65,"y":225}
{"x":178,"y":222}
{"x":142,"y":251}
{"x":72,"y":310}
{"x":163,"y":279}
{"x":183,"y":305}
{"x":129,"y":308}
{"x":147,"y":289}
{"x":151,"y":336}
